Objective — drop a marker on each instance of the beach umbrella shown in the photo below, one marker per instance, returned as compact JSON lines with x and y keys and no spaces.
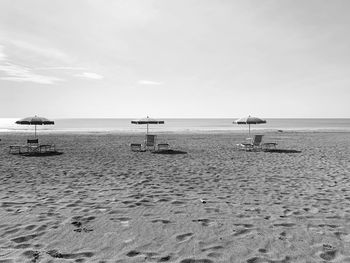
{"x":147,"y":121}
{"x":36,"y":120}
{"x":249,"y":120}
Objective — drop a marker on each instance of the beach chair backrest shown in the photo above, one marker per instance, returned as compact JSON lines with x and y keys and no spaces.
{"x":163,"y":146}
{"x":150,"y":140}
{"x":257,"y":140}
{"x":32,"y":141}
{"x":136,"y":147}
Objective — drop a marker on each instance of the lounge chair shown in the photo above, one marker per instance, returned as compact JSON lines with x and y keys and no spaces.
{"x":268,"y":145}
{"x":150,"y":141}
{"x":15,"y":149}
{"x":163,"y":146}
{"x":257,"y":144}
{"x":47,"y":148}
{"x":136,"y":147}
{"x":253,"y":144}
{"x":31,"y":146}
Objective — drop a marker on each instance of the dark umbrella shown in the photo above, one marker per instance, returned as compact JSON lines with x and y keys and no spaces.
{"x":35,"y":121}
{"x":147,"y":121}
{"x":249,"y":120}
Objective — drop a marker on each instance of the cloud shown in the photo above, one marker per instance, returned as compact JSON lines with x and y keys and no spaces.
{"x":149,"y":82}
{"x":23,"y":74}
{"x":15,"y":72}
{"x":19,"y":73}
{"x":47,"y":52}
{"x":2,"y":54}
{"x":61,"y":68}
{"x":89,"y":75}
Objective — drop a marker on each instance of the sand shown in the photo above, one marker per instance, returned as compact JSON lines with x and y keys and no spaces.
{"x":100,"y":202}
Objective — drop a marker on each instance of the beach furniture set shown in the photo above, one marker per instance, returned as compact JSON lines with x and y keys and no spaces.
{"x":150,"y":144}
{"x":33,"y":148}
{"x":256,"y":143}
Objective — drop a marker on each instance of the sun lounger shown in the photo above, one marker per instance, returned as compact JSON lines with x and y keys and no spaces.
{"x":47,"y":148}
{"x":15,"y":149}
{"x":32,"y":145}
{"x":163,"y":146}
{"x":269,"y":145}
{"x":253,"y":143}
{"x":150,"y":141}
{"x":256,"y":143}
{"x":136,"y":147}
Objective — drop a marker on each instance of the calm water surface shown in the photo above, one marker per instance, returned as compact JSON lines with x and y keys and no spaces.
{"x":180,"y":125}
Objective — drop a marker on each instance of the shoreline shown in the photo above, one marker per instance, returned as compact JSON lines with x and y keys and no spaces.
{"x":180,"y":132}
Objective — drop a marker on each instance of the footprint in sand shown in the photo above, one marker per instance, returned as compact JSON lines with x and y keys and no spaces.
{"x":192,"y":260}
{"x":213,"y":251}
{"x":212,"y":248}
{"x":241,"y":232}
{"x":285,"y":224}
{"x":164,"y":221}
{"x":30,"y":227}
{"x":22,"y":246}
{"x":262,"y":250}
{"x":255,"y":260}
{"x":165,"y":258}
{"x":329,"y":252}
{"x":11,"y":231}
{"x":80,"y":221}
{"x":178,"y":202}
{"x":264,"y":260}
{"x":34,"y":256}
{"x":57,"y":254}
{"x":133,"y":253}
{"x":23,"y":239}
{"x":184,"y":237}
{"x":214,"y":255}
{"x":42,"y":228}
{"x":164,"y":200}
{"x":283,"y":236}
{"x":80,"y":228}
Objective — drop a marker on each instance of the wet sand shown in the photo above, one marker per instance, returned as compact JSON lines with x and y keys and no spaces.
{"x":100,"y":202}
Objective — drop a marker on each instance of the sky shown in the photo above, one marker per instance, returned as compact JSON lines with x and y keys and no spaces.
{"x":175,"y":58}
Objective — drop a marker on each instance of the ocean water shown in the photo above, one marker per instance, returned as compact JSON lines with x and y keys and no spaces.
{"x":178,"y":125}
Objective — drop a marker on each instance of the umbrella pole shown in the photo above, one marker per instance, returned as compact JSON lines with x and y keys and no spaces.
{"x":35,"y":131}
{"x":147,"y":128}
{"x":249,"y":130}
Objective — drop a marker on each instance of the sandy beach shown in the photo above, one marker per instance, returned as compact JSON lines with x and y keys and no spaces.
{"x":100,"y":202}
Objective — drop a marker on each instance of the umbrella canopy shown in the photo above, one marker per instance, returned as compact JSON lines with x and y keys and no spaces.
{"x":249,"y":120}
{"x":36,"y":120}
{"x":147,"y":121}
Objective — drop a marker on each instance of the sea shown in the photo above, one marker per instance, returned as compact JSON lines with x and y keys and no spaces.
{"x":110,"y":125}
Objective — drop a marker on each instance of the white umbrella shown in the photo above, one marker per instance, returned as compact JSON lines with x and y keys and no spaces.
{"x":147,"y":121}
{"x":35,"y":121}
{"x":249,"y":120}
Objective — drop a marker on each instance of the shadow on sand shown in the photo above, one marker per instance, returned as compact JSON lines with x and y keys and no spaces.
{"x":281,"y":151}
{"x":38,"y":154}
{"x":169,"y":152}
